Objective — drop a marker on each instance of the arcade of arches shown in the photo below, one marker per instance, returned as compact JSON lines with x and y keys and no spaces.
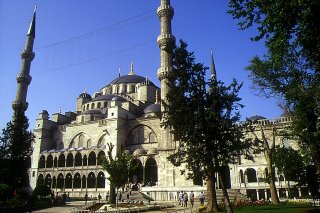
{"x":76,"y":165}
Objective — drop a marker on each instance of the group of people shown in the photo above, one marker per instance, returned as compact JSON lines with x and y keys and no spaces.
{"x":184,"y":198}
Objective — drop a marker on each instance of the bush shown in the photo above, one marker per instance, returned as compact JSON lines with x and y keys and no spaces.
{"x":42,"y":191}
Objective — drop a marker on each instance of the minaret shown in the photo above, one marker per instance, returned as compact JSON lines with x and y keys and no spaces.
{"x":166,"y":42}
{"x":24,"y":79}
{"x":213,"y":68}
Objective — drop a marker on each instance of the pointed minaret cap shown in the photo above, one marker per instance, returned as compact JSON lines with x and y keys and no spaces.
{"x":213,"y":68}
{"x":119,"y":72}
{"x":131,"y":69}
{"x":32,"y":27}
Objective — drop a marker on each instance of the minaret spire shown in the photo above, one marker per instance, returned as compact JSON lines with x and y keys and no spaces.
{"x":131,"y":69}
{"x":213,"y":68}
{"x":23,"y":78}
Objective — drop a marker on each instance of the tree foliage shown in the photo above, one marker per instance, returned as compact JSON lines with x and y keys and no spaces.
{"x":203,"y":116}
{"x":119,"y":168}
{"x":291,"y":66}
{"x":15,"y":151}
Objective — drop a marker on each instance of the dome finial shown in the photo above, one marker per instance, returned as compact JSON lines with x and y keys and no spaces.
{"x":119,"y":71}
{"x":131,"y":69}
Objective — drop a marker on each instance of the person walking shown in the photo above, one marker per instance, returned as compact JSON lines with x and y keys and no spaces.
{"x":185,"y":199}
{"x":201,"y":197}
{"x":99,"y":197}
{"x":181,"y":198}
{"x":191,"y":198}
{"x":107,"y":197}
{"x":86,"y":198}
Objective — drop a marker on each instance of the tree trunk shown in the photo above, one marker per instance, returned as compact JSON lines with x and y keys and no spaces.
{"x":112,"y":197}
{"x":289,"y":188}
{"x":225,"y":193}
{"x":273,"y":189}
{"x":212,"y":204}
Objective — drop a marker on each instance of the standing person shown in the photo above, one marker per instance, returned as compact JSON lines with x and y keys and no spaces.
{"x":99,"y":197}
{"x":181,"y":198}
{"x":120,"y":196}
{"x":107,"y":197}
{"x":185,"y":199}
{"x":64,"y":198}
{"x":201,"y":197}
{"x":191,"y":198}
{"x":86,"y":197}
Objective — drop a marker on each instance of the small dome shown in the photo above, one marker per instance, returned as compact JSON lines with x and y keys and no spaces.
{"x":256,"y":118}
{"x":44,"y":112}
{"x":127,"y":152}
{"x":118,"y":98}
{"x":93,"y":111}
{"x":85,"y":95}
{"x":153,"y":108}
{"x":138,"y":152}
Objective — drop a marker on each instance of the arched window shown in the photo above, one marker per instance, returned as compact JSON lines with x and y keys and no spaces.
{"x":102,"y":142}
{"x":91,"y":180}
{"x":60,"y":181}
{"x":87,"y":106}
{"x":92,"y":161}
{"x":49,"y":163}
{"x":40,"y":180}
{"x":98,"y":105}
{"x":68,"y":181}
{"x":83,"y":108}
{"x":152,"y":138}
{"x":251,"y":175}
{"x":69,"y":160}
{"x":151,"y":172}
{"x":84,"y":160}
{"x":105,"y":104}
{"x":61,"y":162}
{"x":42,"y":162}
{"x":100,"y":180}
{"x":92,"y":106}
{"x":101,"y":155}
{"x":77,"y":181}
{"x":78,"y":159}
{"x":47,"y":180}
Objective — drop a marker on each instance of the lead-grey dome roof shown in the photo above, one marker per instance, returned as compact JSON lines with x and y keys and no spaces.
{"x":256,"y":118}
{"x":85,"y":95}
{"x":153,"y":108}
{"x":129,"y":79}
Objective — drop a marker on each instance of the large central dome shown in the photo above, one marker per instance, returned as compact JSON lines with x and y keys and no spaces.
{"x":135,"y":79}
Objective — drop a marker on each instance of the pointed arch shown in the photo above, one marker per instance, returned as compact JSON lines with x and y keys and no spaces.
{"x":141,"y":134}
{"x":101,"y":180}
{"x":78,"y":159}
{"x":69,"y":162}
{"x":62,"y":161}
{"x":92,"y":159}
{"x":54,"y":182}
{"x":79,"y":140}
{"x":42,"y":162}
{"x":47,"y":180}
{"x":60,"y":181}
{"x":49,"y":163}
{"x":84,"y":182}
{"x":40,"y":180}
{"x":137,"y":176}
{"x":85,"y":161}
{"x":68,"y":181}
{"x":91,"y":180}
{"x":77,"y":181}
{"x":101,"y":155}
{"x":151,"y":172}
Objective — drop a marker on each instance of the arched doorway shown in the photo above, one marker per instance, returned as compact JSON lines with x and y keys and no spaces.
{"x":100,"y":180}
{"x":69,"y":162}
{"x":60,"y":181}
{"x":137,"y":176}
{"x":151,"y":172}
{"x":49,"y":163}
{"x":91,"y":180}
{"x":77,"y":181}
{"x":251,"y":175}
{"x":68,"y":181}
{"x":78,"y":159}
{"x":92,"y":160}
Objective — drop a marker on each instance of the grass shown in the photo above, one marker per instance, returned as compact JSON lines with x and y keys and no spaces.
{"x":285,"y":208}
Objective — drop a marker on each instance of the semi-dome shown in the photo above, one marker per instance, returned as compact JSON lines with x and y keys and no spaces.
{"x":153,"y":108}
{"x":85,"y":95}
{"x":118,"y":98}
{"x":108,"y":97}
{"x":256,"y":118}
{"x":135,"y":79}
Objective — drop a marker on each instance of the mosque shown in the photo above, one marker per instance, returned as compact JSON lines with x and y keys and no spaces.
{"x":126,"y":113}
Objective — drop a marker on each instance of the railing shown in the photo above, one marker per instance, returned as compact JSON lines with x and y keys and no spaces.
{"x":312,"y":202}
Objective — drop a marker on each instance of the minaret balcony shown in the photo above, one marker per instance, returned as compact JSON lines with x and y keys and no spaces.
{"x":165,"y":11}
{"x":27,"y":55}
{"x":22,"y":78}
{"x":166,"y":41}
{"x":164,"y":73}
{"x":20,"y":105}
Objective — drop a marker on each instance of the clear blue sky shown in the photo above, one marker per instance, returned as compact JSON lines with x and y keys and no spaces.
{"x":129,"y":28}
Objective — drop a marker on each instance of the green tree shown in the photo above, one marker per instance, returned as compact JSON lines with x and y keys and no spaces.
{"x":266,"y":146}
{"x":291,"y":66}
{"x":119,"y":168}
{"x":203,"y":116}
{"x":15,"y":151}
{"x":42,"y":190}
{"x":290,"y":163}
